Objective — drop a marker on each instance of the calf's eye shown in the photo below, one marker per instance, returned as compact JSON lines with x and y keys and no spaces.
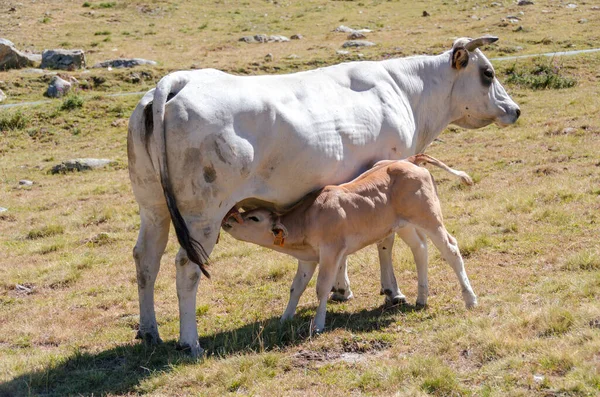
{"x":489,"y":73}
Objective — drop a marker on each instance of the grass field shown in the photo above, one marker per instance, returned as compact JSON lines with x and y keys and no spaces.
{"x":528,"y":228}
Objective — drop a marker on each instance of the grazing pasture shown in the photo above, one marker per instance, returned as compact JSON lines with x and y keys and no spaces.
{"x":528,"y":228}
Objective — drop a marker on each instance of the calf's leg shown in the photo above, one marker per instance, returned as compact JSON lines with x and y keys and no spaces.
{"x":303,"y":276}
{"x":341,"y":287}
{"x":150,"y":245}
{"x":450,"y":252}
{"x":417,"y":243}
{"x":329,"y":262}
{"x":389,"y":286}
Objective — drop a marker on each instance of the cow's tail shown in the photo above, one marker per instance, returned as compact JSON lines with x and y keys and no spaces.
{"x":166,"y":88}
{"x":421,"y":158}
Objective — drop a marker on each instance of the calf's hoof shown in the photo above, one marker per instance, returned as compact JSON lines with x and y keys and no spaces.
{"x":341,"y":295}
{"x":420,"y":305}
{"x":149,"y":338}
{"x":193,"y":351}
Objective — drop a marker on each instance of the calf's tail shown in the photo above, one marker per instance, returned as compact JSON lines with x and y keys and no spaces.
{"x":166,"y":88}
{"x":422,"y":158}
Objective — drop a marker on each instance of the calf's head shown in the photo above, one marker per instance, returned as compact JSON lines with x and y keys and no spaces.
{"x":259,"y":226}
{"x":478,"y":98}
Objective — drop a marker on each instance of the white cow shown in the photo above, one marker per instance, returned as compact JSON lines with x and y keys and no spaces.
{"x":204,"y":141}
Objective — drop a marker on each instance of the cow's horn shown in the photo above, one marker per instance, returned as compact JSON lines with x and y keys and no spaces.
{"x":476,"y":43}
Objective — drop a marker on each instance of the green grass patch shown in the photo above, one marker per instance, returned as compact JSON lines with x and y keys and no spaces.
{"x":45,"y":231}
{"x":583,"y":260}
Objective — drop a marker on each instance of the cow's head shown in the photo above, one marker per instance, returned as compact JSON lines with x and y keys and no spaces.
{"x":258,"y":226}
{"x":478,"y":97}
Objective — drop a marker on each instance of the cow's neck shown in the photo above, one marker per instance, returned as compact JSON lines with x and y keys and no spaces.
{"x":427,"y":82}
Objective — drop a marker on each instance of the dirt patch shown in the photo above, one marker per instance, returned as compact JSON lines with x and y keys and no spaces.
{"x":351,"y":351}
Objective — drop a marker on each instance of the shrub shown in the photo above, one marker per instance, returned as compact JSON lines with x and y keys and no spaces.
{"x":13,"y":121}
{"x":540,"y":76}
{"x":72,"y":102}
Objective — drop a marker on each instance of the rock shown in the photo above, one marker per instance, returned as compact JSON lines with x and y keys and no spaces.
{"x":538,"y":378}
{"x":346,"y":29}
{"x":63,"y":59}
{"x":11,"y":58}
{"x":292,"y":56}
{"x":519,"y":29}
{"x":571,"y":5}
{"x":296,"y":37}
{"x":356,"y":36}
{"x":582,"y":20}
{"x":25,"y":182}
{"x":84,"y":164}
{"x":57,"y":88}
{"x":278,"y":39}
{"x":525,"y":3}
{"x":2,"y":209}
{"x":269,"y":57}
{"x":263,"y":38}
{"x":595,"y":8}
{"x":343,"y":52}
{"x":357,"y":43}
{"x":124,"y":63}
{"x":496,"y":4}
{"x":569,"y":131}
{"x":2,"y":96}
{"x":426,"y":14}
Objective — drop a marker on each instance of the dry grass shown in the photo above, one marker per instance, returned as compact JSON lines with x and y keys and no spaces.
{"x":529,"y":226}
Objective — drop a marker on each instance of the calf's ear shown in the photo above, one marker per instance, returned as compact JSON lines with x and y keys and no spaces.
{"x":279,"y":228}
{"x":460,"y":57}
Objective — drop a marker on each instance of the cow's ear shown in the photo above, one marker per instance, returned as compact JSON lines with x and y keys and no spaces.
{"x":460,"y":58}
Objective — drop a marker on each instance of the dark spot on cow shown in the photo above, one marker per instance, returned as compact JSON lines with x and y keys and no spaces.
{"x":291,"y":290}
{"x":388,"y":292}
{"x":332,"y":289}
{"x":210,"y":175}
{"x":194,"y":277}
{"x":141,"y":280}
{"x":341,"y":291}
{"x":182,"y":260}
{"x":207,"y":231}
{"x":395,"y":150}
{"x":304,"y":275}
{"x":148,"y":124}
{"x":383,"y":248}
{"x":218,"y":152}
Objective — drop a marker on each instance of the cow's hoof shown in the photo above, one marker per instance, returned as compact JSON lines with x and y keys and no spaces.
{"x":149,"y":338}
{"x":193,"y":351}
{"x":342,"y":295}
{"x":285,"y":318}
{"x":398,"y":300}
{"x":420,"y":305}
{"x":471,"y":304}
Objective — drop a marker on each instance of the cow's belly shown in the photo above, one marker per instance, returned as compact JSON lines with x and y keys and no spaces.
{"x":280,"y":144}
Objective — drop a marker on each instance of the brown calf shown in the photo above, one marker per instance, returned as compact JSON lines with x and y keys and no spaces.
{"x":333,"y":222}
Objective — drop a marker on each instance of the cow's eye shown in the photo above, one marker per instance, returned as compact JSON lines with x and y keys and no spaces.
{"x":489,"y":73}
{"x":254,"y":219}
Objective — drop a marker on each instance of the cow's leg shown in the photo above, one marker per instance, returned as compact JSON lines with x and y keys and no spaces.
{"x":329,"y":263}
{"x":303,"y":276}
{"x":341,"y":287}
{"x":417,"y":242}
{"x":150,"y":245}
{"x":450,"y":252}
{"x":389,"y":286}
{"x":187,"y":280}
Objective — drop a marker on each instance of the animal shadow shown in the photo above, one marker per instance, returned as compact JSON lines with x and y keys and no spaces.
{"x":121,"y":369}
